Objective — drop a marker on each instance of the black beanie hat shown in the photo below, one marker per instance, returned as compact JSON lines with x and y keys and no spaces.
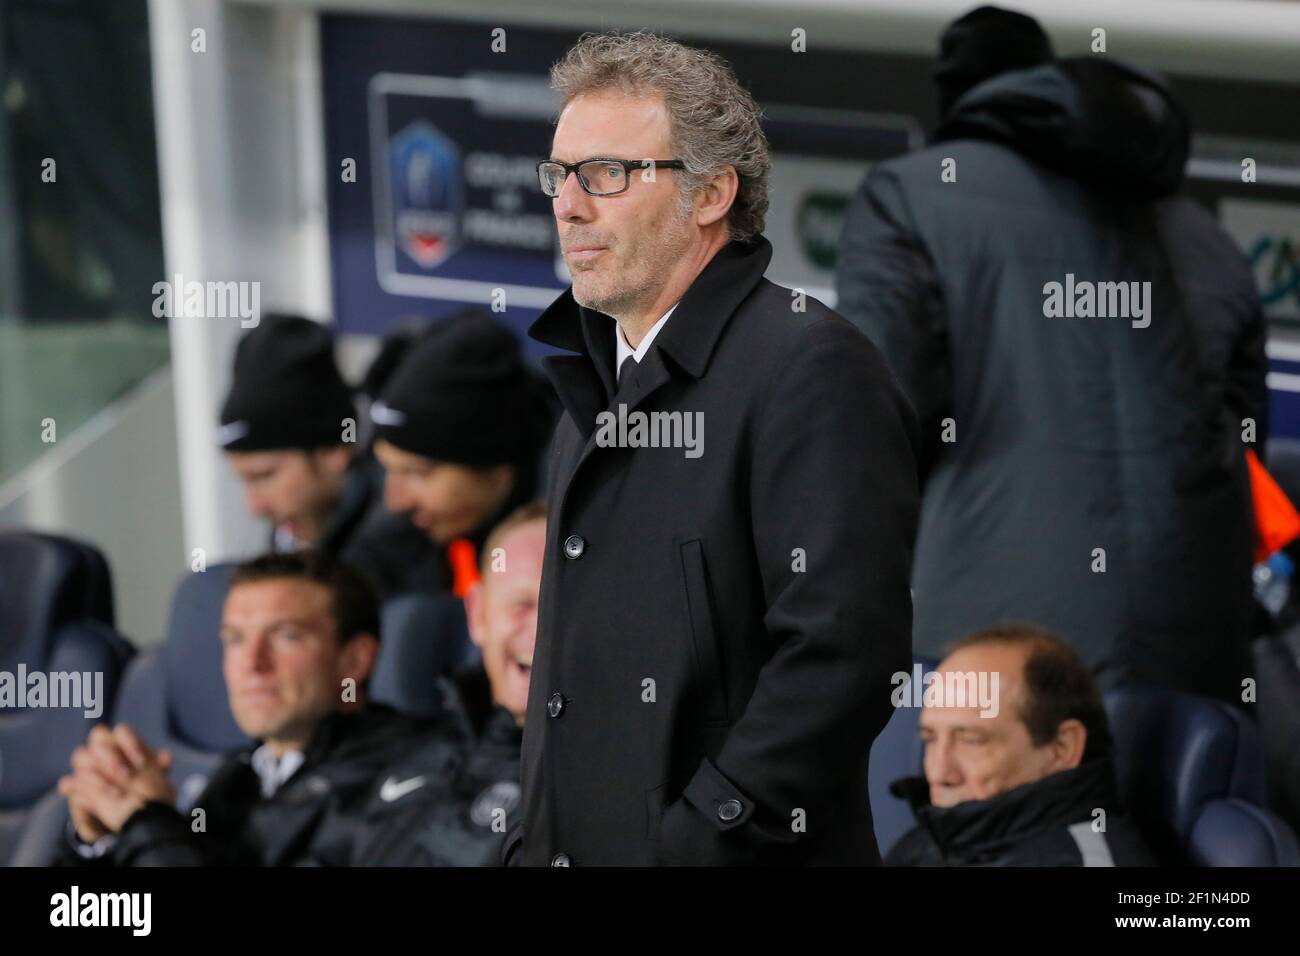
{"x":983,"y":43}
{"x":286,"y":391}
{"x":394,"y":346}
{"x":463,"y":394}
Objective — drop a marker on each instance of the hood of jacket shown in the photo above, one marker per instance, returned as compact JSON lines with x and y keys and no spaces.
{"x":1096,"y":120}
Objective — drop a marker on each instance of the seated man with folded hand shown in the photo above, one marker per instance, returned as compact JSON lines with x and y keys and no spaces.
{"x":1025,"y":778}
{"x":447,"y":806}
{"x":300,"y":638}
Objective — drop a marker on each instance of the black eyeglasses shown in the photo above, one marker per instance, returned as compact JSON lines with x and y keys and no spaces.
{"x":599,"y":177}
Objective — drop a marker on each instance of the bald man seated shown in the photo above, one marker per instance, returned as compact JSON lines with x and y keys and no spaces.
{"x":1018,"y":765}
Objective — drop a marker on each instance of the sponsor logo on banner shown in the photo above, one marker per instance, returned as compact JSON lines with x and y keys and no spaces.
{"x":1268,"y":233}
{"x":428,"y":193}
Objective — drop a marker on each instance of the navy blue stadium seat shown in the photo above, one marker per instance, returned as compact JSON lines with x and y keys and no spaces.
{"x":424,"y":637}
{"x":1191,"y":772}
{"x":174,"y":697}
{"x":897,"y":753}
{"x":55,"y":618}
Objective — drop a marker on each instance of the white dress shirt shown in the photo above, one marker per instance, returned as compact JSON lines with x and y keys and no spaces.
{"x":638,"y":353}
{"x":273,"y":771}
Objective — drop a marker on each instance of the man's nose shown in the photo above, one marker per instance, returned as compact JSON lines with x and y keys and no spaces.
{"x":573,"y":204}
{"x":941,"y":763}
{"x":259,"y":655}
{"x":257,"y":506}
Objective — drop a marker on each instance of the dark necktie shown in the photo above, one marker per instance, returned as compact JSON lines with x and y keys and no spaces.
{"x":625,"y":374}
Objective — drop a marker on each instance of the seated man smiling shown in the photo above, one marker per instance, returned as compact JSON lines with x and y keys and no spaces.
{"x":443,"y":805}
{"x":1029,"y":782}
{"x":299,"y":634}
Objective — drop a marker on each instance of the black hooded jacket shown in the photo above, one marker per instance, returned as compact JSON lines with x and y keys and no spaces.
{"x":1086,"y":473}
{"x":1054,"y":821}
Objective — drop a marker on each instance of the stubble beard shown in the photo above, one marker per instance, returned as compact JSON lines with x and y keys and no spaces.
{"x":626,"y":290}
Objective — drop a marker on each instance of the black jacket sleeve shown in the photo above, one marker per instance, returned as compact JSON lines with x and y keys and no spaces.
{"x":155,"y":835}
{"x":886,"y":286}
{"x":158,"y":835}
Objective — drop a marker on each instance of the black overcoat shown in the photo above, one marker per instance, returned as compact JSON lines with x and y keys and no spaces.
{"x":719,"y":624}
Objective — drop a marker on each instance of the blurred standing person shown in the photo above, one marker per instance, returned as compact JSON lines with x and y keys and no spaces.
{"x":1084,"y":350}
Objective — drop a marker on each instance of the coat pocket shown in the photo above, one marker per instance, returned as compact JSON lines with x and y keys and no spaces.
{"x":704,"y":638}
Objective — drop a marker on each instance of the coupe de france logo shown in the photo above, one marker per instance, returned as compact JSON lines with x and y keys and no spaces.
{"x":428,"y":193}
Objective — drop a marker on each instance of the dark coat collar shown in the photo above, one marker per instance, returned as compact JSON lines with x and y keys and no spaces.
{"x":1055,"y":802}
{"x":688,"y":338}
{"x":340,"y":731}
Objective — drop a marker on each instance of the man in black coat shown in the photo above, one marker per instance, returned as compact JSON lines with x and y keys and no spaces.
{"x":1023,"y":776}
{"x":722,"y":607}
{"x":300,"y":638}
{"x":1085,"y":352}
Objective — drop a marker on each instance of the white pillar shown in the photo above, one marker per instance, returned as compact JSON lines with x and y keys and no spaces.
{"x":242,"y":180}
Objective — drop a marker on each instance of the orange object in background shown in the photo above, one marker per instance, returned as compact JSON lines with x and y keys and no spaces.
{"x":464,"y":564}
{"x":1277,"y":523}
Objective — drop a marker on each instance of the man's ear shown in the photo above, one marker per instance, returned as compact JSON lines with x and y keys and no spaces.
{"x":1069,"y":745}
{"x":716,"y":197}
{"x":474,"y":612}
{"x":358,"y":657}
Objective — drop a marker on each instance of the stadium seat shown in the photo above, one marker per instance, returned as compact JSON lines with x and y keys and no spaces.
{"x":43,"y":826}
{"x":424,"y":637}
{"x":896,"y":753}
{"x":56,"y":609}
{"x":1191,"y":772}
{"x":174,"y":696}
{"x":1277,"y":670}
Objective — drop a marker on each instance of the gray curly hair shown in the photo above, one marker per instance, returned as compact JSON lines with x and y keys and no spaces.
{"x":714,"y":120}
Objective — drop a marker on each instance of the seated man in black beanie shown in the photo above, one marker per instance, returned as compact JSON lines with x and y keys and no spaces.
{"x":289,"y":429}
{"x":460,"y":428}
{"x":1021,"y":775}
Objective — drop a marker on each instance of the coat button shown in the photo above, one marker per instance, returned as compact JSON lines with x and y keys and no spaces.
{"x":560,"y":859}
{"x":728,"y":810}
{"x":574,"y":546}
{"x":555,"y":706}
